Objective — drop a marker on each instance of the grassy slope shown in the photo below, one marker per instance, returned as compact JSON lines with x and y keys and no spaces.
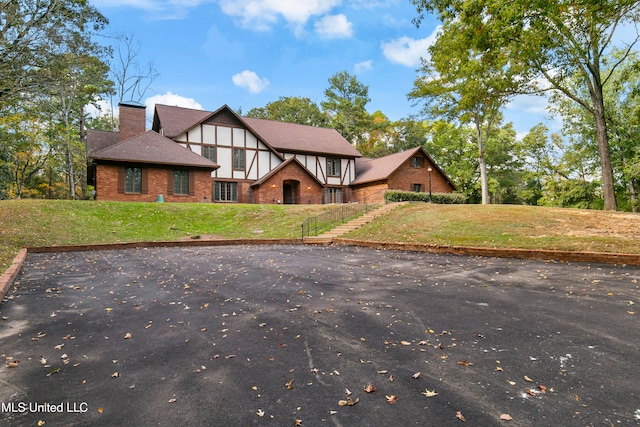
{"x":47,"y":223}
{"x":508,"y":226}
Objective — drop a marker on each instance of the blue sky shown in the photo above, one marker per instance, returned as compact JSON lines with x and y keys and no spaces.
{"x":247,"y":53}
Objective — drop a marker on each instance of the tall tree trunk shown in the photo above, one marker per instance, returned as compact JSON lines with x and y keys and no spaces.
{"x":482,"y":164}
{"x":608,"y":188}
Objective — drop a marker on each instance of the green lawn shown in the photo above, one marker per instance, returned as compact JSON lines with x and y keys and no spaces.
{"x":49,"y":223}
{"x":59,"y":222}
{"x":507,"y":226}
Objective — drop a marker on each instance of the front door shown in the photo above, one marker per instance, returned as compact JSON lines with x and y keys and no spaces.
{"x":291,"y":192}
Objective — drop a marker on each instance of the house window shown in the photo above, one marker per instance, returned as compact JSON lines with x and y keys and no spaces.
{"x":238,"y":159}
{"x":181,"y":182}
{"x":226,"y":192}
{"x":132,"y":180}
{"x":333,"y":195}
{"x":417,"y":188}
{"x":416,"y":162}
{"x":209,"y":151}
{"x":333,"y":167}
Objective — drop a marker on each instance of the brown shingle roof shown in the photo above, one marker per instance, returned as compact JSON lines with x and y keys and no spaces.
{"x":153,"y":148}
{"x":281,"y":136}
{"x":100,"y":139}
{"x":176,"y":120}
{"x":370,"y":170}
{"x":378,"y":169}
{"x":291,"y":138}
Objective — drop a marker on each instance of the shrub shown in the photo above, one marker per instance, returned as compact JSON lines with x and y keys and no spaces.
{"x":410,"y":196}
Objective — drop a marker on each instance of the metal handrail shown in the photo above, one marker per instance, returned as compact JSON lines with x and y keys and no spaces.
{"x":318,"y":224}
{"x":325,"y":221}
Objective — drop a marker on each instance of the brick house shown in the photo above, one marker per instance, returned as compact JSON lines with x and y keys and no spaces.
{"x":222,"y":157}
{"x":410,"y":170}
{"x":142,"y":166}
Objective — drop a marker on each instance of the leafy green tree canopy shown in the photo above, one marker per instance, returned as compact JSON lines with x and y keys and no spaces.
{"x":291,"y":110}
{"x":32,"y":31}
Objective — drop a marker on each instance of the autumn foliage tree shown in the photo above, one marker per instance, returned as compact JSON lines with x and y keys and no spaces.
{"x":548,"y":43}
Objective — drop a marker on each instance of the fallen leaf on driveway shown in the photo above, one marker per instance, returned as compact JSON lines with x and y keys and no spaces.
{"x":527,"y":379}
{"x":416,"y":375}
{"x":391,"y":399}
{"x":505,"y":417}
{"x":348,"y":402}
{"x":260,"y":413}
{"x":460,"y":416}
{"x":370,"y":388}
{"x":429,"y":393}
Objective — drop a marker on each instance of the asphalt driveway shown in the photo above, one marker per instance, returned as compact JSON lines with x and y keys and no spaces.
{"x":312,"y":336}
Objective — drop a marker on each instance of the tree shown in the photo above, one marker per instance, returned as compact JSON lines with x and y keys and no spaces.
{"x":31,"y":32}
{"x":132,"y":79}
{"x":345,"y":103}
{"x":454,"y":149}
{"x":291,"y":110}
{"x":469,"y":85}
{"x":378,"y":140}
{"x":549,"y":42}
{"x":539,"y":154}
{"x":25,"y":145}
{"x":78,"y":79}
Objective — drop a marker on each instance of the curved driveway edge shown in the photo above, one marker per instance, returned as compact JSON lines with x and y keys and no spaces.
{"x":537,"y":254}
{"x":9,"y":275}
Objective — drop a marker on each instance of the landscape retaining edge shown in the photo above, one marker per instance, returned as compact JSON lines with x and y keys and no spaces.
{"x":10,"y":274}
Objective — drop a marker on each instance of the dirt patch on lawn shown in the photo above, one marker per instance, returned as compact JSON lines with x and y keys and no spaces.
{"x":202,"y":237}
{"x":590,"y":223}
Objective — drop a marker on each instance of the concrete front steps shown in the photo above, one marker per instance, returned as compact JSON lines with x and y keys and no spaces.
{"x":328,"y":236}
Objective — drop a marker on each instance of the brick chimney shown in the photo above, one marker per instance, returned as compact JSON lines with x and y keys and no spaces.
{"x":133,"y":119}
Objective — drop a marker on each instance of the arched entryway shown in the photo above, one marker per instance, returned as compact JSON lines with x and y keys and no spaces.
{"x":291,"y":191}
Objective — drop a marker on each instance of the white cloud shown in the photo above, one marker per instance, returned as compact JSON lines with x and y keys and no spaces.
{"x":334,"y":27}
{"x":157,"y":9}
{"x":250,"y":81}
{"x":262,"y":14}
{"x":363,"y":66}
{"x":102,"y":108}
{"x":408,"y":51}
{"x":173,"y":100}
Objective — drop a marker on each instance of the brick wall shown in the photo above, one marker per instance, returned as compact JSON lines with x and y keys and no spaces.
{"x":370,"y":193}
{"x":158,"y":183}
{"x":405,"y":176}
{"x":309,"y":190}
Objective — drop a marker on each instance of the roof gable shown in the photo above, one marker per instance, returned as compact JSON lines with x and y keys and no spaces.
{"x":152,"y":148}
{"x":369,"y":170}
{"x":279,"y":136}
{"x":174,"y":121}
{"x":291,"y":161}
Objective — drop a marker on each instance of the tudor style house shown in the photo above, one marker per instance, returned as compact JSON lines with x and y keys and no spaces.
{"x":195,"y":156}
